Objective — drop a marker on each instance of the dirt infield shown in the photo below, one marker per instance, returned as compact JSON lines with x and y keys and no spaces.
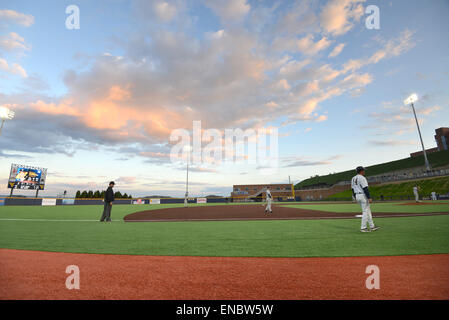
{"x":245,"y":212}
{"x":41,"y":275}
{"x":421,"y":204}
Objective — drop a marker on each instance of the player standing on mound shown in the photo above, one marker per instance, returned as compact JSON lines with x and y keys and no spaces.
{"x":269,"y":198}
{"x":360,"y":191}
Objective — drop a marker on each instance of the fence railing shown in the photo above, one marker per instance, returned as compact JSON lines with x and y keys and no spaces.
{"x":409,"y":176}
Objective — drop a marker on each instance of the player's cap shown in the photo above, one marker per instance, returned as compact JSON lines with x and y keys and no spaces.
{"x":112,"y":182}
{"x":360,"y":169}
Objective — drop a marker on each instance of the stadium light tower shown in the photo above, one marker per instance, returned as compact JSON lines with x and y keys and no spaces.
{"x":411,"y":101}
{"x":5,"y":114}
{"x":187,"y":150}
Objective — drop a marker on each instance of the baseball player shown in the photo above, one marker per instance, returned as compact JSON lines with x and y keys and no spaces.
{"x":269,"y":199}
{"x":416,"y":193}
{"x":434,"y":196}
{"x":360,"y":191}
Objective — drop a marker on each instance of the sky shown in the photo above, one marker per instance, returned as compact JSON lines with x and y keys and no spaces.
{"x":100,"y":102}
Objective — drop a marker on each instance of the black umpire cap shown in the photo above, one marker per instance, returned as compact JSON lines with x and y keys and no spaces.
{"x":360,"y":169}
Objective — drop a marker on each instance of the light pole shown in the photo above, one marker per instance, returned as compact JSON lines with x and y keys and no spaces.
{"x":187,"y":150}
{"x":411,"y":100}
{"x":5,"y":114}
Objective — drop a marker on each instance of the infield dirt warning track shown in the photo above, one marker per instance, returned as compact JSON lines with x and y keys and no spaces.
{"x":247,"y":212}
{"x":41,"y":275}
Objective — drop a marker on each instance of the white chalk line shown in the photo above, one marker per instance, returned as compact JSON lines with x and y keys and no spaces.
{"x":231,"y":219}
{"x":55,"y":220}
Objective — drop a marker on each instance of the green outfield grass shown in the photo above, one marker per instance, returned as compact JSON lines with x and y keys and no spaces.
{"x":288,"y":238}
{"x":427,"y":186}
{"x":397,"y":207}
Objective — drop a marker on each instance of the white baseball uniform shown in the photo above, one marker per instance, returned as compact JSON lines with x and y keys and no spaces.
{"x":269,"y":199}
{"x":358,"y":183}
{"x":415,"y":192}
{"x":434,"y":195}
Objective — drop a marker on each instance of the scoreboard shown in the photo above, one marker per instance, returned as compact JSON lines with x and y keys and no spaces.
{"x":27,"y":177}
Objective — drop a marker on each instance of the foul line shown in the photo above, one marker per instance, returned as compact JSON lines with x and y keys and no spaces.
{"x":55,"y":220}
{"x":235,"y":219}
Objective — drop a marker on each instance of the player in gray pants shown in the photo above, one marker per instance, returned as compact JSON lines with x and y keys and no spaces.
{"x":360,"y":192}
{"x":269,"y":199}
{"x":416,"y":193}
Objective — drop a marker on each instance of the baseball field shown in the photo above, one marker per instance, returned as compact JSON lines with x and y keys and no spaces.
{"x":219,"y":251}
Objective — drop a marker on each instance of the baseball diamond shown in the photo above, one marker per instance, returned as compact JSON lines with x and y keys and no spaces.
{"x":224,"y":238}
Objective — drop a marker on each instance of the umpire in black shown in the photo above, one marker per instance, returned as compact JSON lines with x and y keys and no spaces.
{"x":108,"y":199}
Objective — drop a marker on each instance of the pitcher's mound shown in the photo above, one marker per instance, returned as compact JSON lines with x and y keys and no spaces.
{"x":247,"y":212}
{"x":228,"y":212}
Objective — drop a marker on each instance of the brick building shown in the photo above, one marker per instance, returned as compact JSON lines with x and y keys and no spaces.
{"x":420,"y":153}
{"x":442,"y":140}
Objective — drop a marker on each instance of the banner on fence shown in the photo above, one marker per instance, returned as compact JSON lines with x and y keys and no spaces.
{"x":139,"y":201}
{"x":155,"y":201}
{"x":68,"y":201}
{"x":48,"y":202}
{"x":201,"y":200}
{"x":2,"y":201}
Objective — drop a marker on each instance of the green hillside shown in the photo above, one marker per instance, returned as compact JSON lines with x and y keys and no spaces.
{"x":436,"y":160}
{"x":439,"y":185}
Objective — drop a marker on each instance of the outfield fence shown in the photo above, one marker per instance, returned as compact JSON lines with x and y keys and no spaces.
{"x":53,"y":201}
{"x":21,"y":201}
{"x":407,"y":176}
{"x":391,"y":198}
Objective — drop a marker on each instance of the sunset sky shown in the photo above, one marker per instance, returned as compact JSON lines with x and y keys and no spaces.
{"x":99,"y":103}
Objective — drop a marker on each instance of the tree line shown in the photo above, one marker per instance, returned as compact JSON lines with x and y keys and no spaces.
{"x":100,"y":195}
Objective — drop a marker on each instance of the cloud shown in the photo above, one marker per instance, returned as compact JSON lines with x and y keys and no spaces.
{"x":125,"y":180}
{"x":357,"y":80}
{"x":299,"y":18}
{"x":389,"y":143}
{"x":321,"y":118}
{"x":13,"y":17}
{"x":230,"y":9}
{"x":430,"y":110}
{"x":293,"y":68}
{"x":306,"y":45}
{"x":13,"y":155}
{"x":391,"y":48}
{"x":337,"y":50}
{"x":396,"y":120}
{"x":291,"y":162}
{"x":231,"y":76}
{"x":200,"y":169}
{"x":62,"y":108}
{"x":165,"y":11}
{"x":15,"y":68}
{"x":305,"y":163}
{"x":13,"y":41}
{"x":339,"y":16}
